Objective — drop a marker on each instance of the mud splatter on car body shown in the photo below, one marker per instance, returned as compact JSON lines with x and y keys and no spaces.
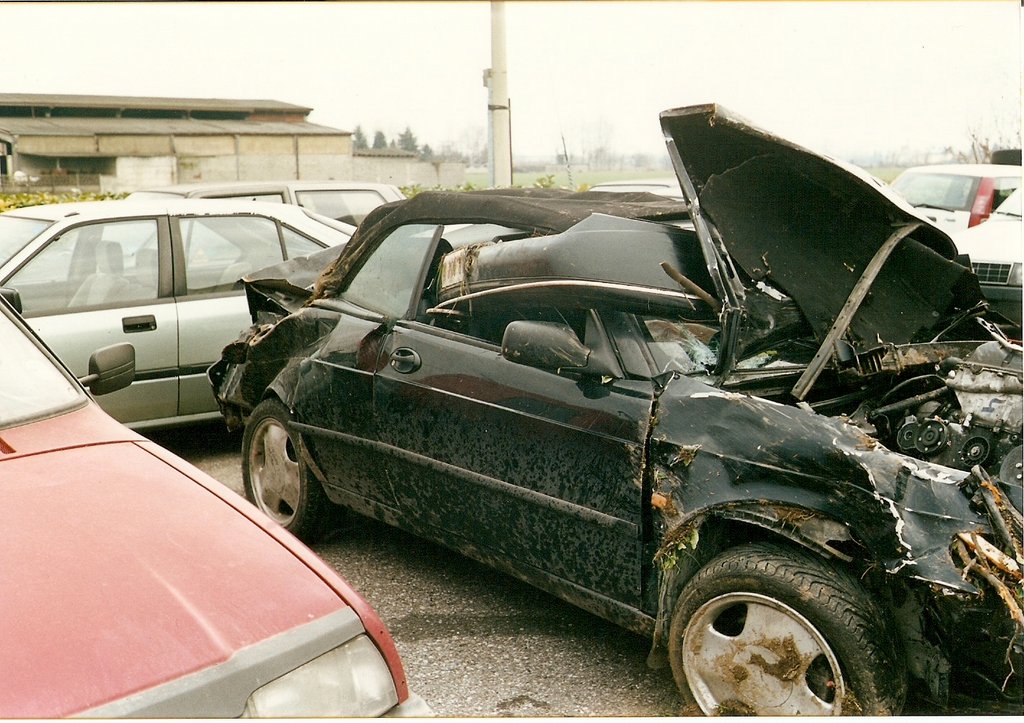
{"x":603,"y":394}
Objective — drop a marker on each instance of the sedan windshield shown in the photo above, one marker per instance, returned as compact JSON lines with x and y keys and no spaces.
{"x":944,"y":191}
{"x":15,"y":232}
{"x":31,"y":385}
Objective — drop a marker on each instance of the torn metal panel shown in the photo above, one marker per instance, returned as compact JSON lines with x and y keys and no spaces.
{"x":817,"y":259}
{"x":287,"y":286}
{"x":712,"y":139}
{"x":255,"y":362}
{"x":903,"y":512}
{"x":829,"y":346}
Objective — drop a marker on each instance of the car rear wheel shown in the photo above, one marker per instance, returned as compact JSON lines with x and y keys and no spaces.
{"x":275,"y":479}
{"x":767,"y":630}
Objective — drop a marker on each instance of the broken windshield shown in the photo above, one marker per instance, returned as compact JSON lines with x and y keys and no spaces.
{"x":678,"y":345}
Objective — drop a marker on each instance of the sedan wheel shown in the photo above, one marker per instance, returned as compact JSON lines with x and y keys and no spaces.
{"x":274,"y":477}
{"x":766,"y":630}
{"x":775,"y":657}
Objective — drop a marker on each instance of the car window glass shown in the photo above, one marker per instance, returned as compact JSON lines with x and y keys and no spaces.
{"x":937,"y":190}
{"x":390,"y":276}
{"x":348,"y":206}
{"x":295,"y":244}
{"x":101,"y":264}
{"x":679,"y":345}
{"x":220,"y":250}
{"x":1011,"y":206}
{"x":16,"y":232}
{"x":30,"y":385}
{"x":1004,"y":188}
{"x":486,"y":318}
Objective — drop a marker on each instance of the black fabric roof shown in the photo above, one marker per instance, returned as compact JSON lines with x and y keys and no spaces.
{"x":539,"y":211}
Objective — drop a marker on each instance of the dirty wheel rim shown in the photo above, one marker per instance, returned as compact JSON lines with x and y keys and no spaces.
{"x":748,"y":653}
{"x":274,"y":471}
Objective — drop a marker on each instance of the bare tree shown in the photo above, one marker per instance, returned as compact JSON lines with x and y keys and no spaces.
{"x":981,"y":143}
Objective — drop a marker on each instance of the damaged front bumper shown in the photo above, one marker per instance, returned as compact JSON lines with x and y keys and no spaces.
{"x":940,"y":547}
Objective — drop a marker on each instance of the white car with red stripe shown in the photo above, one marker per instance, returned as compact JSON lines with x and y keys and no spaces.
{"x":958,"y":195}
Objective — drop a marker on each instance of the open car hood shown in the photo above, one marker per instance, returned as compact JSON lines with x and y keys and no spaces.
{"x":811,"y":226}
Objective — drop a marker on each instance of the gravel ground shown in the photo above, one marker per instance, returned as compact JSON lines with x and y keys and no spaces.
{"x":476,"y":642}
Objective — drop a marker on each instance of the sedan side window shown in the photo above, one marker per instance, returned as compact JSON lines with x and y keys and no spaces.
{"x":220,"y":250}
{"x":101,"y":264}
{"x":1003,"y":188}
{"x":295,"y":244}
{"x":348,"y":206}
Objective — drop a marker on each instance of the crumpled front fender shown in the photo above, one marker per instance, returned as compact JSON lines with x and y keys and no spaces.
{"x":260,"y":359}
{"x":739,"y":457}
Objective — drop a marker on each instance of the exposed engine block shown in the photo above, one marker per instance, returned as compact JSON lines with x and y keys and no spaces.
{"x":973,"y":418}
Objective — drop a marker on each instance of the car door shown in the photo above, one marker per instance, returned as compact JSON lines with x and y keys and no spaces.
{"x":333,"y":400}
{"x":540,"y":470}
{"x":212,"y":254}
{"x":105,"y":282}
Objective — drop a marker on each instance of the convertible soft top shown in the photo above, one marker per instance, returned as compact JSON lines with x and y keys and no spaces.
{"x":537,"y":211}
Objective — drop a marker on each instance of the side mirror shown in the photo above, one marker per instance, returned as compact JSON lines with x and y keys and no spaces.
{"x":12,"y":297}
{"x":110,"y":369}
{"x":551,"y":346}
{"x":543,"y":344}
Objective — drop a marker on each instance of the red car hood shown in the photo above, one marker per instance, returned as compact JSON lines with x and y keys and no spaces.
{"x":120,"y":572}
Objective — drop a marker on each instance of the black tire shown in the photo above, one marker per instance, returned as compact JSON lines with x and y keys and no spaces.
{"x":276,"y":480}
{"x":770,"y":630}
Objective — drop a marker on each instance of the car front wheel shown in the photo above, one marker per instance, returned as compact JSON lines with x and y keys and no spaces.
{"x":763,"y":629}
{"x":274,"y":477}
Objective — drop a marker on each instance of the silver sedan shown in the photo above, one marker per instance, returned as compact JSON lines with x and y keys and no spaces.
{"x":163,"y":276}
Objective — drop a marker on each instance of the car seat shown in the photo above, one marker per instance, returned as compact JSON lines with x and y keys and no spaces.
{"x":107,"y":283}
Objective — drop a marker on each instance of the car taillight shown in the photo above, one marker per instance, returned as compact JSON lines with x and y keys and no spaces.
{"x":982,"y":202}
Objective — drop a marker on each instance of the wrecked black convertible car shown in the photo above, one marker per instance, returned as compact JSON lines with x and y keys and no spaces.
{"x":768,"y":427}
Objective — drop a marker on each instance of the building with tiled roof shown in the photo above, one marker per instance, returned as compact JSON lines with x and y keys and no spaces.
{"x":120,"y":143}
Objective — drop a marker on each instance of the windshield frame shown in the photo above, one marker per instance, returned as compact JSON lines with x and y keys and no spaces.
{"x":14,"y":236}
{"x":26,"y":354}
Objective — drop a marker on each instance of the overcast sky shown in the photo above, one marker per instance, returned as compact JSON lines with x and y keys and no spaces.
{"x":846,"y":78}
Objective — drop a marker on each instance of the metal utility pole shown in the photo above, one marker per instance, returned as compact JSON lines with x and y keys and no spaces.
{"x":499,"y":125}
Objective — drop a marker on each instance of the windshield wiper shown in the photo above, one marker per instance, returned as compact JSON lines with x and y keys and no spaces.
{"x":936,"y":207}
